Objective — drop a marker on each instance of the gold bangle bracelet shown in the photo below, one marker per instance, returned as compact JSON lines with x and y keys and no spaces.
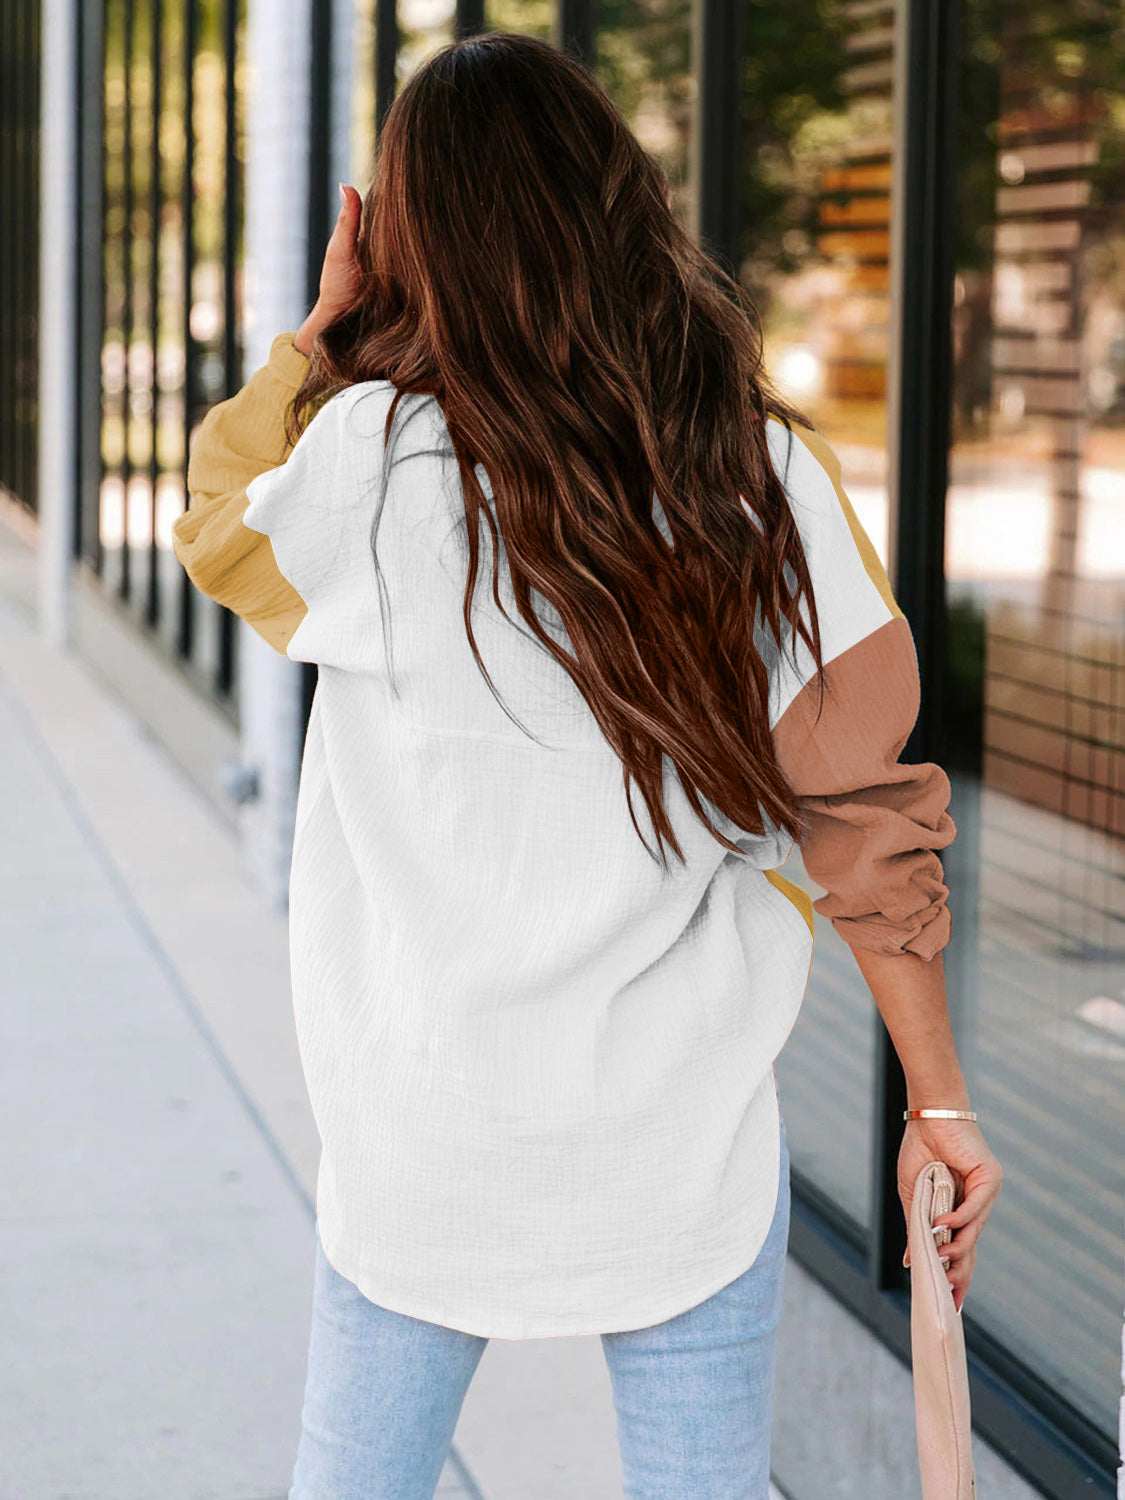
{"x":939,"y":1114}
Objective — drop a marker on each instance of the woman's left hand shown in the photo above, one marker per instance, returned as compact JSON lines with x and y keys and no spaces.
{"x":977,"y":1176}
{"x":340,"y":276}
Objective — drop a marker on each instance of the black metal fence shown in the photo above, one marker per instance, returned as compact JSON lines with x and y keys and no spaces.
{"x":159,"y":299}
{"x":19,"y":249}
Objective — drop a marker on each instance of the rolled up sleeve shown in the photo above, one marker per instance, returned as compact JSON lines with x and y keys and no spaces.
{"x":875,"y":825}
{"x":238,"y":440}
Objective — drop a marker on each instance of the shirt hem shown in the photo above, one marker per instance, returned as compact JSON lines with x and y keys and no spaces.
{"x":434,"y":1312}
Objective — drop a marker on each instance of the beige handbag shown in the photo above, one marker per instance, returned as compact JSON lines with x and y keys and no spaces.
{"x":937,"y":1347}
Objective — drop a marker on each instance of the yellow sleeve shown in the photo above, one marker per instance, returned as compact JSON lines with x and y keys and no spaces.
{"x":237,"y":440}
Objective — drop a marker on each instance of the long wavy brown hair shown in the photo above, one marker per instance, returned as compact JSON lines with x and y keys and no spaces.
{"x":522,"y":265}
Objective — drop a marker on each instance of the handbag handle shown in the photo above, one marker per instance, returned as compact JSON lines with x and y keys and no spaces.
{"x":943,"y":1421}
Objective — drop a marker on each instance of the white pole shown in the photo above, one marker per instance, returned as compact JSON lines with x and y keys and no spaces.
{"x":278,"y":120}
{"x":58,"y":253}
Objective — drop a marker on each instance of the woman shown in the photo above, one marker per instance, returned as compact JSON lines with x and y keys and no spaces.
{"x":540,"y":1053}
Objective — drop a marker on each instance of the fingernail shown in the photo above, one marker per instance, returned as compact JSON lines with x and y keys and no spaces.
{"x":937,"y":1228}
{"x":904,"y":1261}
{"x":343,"y":195}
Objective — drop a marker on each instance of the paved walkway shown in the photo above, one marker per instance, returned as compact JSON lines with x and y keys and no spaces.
{"x":157,"y":1148}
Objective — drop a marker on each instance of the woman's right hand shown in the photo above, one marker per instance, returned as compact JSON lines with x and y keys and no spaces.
{"x":340,"y":276}
{"x":977,"y":1176}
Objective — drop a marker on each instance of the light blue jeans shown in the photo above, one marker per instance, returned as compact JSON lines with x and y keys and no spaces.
{"x":693,"y":1395}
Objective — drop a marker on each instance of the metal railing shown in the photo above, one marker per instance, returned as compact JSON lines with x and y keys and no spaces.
{"x":19,"y":248}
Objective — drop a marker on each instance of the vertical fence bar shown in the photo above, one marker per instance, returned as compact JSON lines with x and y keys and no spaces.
{"x":125,"y":576}
{"x":17,"y":87}
{"x":20,"y":100}
{"x":7,"y":264}
{"x":926,"y":264}
{"x":186,"y":639}
{"x":14,"y":191}
{"x":225,"y":665}
{"x":321,"y":206}
{"x":152,"y":602}
{"x":575,"y":29}
{"x":33,"y":216}
{"x":232,"y":363}
{"x":386,"y":57}
{"x":468,"y":18}
{"x":718,"y":36}
{"x":90,"y":270}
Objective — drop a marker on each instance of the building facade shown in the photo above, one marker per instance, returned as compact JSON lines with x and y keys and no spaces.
{"x":926,"y":200}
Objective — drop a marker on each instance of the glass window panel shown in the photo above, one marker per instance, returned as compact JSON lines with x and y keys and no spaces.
{"x":818,"y":112}
{"x":1035,"y":558}
{"x":644,"y":62}
{"x":423,"y":27}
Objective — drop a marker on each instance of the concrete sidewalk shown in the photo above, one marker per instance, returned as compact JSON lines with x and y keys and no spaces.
{"x":159,"y":1155}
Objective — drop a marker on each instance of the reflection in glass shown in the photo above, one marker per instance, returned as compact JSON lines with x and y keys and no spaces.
{"x":817,"y":213}
{"x":644,"y":62}
{"x":1035,"y":562}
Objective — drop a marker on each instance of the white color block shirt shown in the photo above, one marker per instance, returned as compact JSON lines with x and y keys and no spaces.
{"x":541,"y":1066}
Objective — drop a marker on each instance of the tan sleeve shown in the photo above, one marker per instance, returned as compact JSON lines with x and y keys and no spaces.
{"x":237,"y":440}
{"x":875,"y":823}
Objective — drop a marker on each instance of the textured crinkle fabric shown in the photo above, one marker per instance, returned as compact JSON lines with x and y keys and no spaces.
{"x":541,"y":1066}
